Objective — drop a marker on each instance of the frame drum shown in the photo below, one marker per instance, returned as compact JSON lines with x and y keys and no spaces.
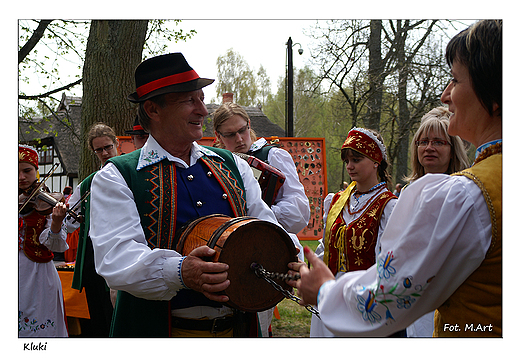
{"x":239,"y":242}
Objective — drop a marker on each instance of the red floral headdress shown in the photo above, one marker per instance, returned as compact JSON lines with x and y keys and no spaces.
{"x":366,"y":143}
{"x":28,"y":154}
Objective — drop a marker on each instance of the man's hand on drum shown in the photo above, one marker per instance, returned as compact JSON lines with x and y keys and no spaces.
{"x":310,"y":279}
{"x":204,"y":276}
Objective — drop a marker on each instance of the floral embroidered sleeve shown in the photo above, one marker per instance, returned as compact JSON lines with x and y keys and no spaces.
{"x":437,"y":235}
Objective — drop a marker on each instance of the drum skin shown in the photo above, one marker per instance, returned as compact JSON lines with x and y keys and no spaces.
{"x":239,"y":242}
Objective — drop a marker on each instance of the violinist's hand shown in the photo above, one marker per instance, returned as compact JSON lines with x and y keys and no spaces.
{"x":58,"y":214}
{"x":311,"y":279}
{"x":206,"y":277}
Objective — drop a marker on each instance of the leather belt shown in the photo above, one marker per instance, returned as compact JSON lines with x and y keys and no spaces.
{"x":213,"y":326}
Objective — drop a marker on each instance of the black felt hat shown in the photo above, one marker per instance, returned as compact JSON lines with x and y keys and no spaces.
{"x":137,"y":129}
{"x":165,"y":74}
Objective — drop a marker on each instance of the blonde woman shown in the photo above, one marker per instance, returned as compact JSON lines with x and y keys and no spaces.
{"x":433,"y":149}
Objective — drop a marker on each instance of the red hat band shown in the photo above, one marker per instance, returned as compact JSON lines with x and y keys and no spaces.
{"x":363,"y":143}
{"x":167,"y":81}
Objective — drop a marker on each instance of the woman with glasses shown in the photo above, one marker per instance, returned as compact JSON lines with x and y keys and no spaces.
{"x":434,"y":151}
{"x":103,"y":142}
{"x":233,"y":132}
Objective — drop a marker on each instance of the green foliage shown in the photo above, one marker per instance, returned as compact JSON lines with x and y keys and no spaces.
{"x":387,"y":87}
{"x":315,"y":115}
{"x":235,"y":76}
{"x":263,"y":83}
{"x":274,"y":106}
{"x":63,"y":45}
{"x":62,"y":40}
{"x":160,"y":33}
{"x":65,"y":41}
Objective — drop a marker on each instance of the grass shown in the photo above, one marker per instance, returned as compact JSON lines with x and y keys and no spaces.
{"x":295,"y":320}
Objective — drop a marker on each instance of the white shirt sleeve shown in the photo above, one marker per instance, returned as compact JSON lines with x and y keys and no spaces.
{"x":320,"y":250}
{"x":291,"y":206}
{"x":121,"y":253}
{"x":389,"y":208}
{"x":438,"y":234}
{"x":56,"y":242}
{"x":256,"y":207}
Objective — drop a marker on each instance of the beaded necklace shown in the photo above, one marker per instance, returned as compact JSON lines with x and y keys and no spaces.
{"x":374,"y":188}
{"x":490,"y":150}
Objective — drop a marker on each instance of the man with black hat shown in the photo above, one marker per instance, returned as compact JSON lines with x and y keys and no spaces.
{"x":141,"y":199}
{"x":138,"y":135}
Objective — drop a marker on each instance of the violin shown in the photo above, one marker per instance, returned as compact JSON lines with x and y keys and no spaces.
{"x":38,"y":197}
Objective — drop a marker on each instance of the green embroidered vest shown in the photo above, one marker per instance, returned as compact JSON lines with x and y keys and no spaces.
{"x":155,"y":192}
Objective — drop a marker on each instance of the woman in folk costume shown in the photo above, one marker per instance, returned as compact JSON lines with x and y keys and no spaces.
{"x":355,"y":217}
{"x":40,"y":298}
{"x":442,"y":247}
{"x":434,"y":151}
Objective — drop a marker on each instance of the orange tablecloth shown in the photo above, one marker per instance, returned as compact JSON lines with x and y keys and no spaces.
{"x":75,"y":302}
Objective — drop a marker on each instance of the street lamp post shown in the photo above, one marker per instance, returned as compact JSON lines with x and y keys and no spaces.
{"x":289,"y":108}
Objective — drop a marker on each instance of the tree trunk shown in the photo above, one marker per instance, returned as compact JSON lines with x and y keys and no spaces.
{"x":114,"y":49}
{"x":375,"y":76}
{"x":404,"y":113}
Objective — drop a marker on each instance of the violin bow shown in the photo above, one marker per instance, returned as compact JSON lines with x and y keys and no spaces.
{"x":76,"y":205}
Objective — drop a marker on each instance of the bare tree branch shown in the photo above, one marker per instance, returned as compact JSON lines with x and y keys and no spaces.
{"x":68,"y":43}
{"x":35,"y":37}
{"x":36,"y":97}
